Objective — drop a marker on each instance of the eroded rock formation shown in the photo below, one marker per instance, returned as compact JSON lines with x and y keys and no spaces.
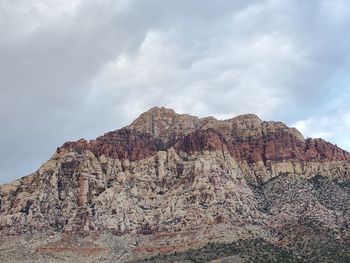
{"x":169,"y":173}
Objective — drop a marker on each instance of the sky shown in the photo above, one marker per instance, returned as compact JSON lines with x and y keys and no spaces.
{"x":72,"y":69}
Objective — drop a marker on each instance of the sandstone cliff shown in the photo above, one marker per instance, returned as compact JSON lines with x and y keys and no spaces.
{"x":172,"y":182}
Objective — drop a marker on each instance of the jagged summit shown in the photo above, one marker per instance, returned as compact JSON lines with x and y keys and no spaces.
{"x":160,"y":121}
{"x":165,"y":117}
{"x":248,"y":116}
{"x":163,"y":122}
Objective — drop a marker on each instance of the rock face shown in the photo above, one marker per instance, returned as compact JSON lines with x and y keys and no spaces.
{"x":237,"y":179}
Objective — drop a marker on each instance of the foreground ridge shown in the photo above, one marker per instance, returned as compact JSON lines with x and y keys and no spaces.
{"x":173,"y":182}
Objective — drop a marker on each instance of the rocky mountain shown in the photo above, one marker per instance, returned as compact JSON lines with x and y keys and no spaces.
{"x":176,"y":188}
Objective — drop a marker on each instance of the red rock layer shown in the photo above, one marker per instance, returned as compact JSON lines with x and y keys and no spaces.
{"x":121,"y":144}
{"x":285,"y":146}
{"x":201,"y":140}
{"x":273,"y":146}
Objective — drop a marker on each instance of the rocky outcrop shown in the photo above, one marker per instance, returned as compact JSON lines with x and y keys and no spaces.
{"x":171,"y":173}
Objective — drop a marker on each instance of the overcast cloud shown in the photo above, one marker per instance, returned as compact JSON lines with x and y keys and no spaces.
{"x":72,"y":69}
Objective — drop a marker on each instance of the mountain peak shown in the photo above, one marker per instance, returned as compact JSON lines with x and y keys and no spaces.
{"x":160,"y":121}
{"x":248,"y":116}
{"x":159,"y":111}
{"x":166,"y":113}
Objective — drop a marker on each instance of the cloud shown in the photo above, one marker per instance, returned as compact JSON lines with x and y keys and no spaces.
{"x":81,"y":68}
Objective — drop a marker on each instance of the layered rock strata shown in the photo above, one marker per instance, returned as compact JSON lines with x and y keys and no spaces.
{"x":168,"y":172}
